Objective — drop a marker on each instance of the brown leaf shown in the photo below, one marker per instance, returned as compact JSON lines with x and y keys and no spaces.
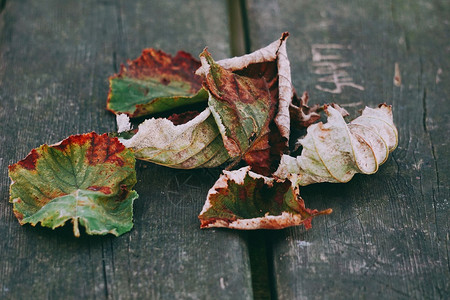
{"x":301,"y":114}
{"x":270,"y":66}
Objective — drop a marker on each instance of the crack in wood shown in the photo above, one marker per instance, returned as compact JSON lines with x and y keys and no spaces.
{"x":424,"y":107}
{"x":2,"y":5}
{"x":389,"y":286}
{"x":261,"y":265}
{"x":448,"y":250}
{"x":394,"y":158}
{"x":259,"y":246}
{"x":239,"y":28}
{"x":433,"y":154}
{"x":105,"y":279}
{"x":111,"y":245}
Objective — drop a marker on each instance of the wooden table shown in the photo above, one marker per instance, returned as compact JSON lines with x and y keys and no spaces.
{"x":388,"y":237}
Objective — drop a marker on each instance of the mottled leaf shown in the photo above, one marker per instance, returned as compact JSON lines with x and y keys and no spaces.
{"x":179,"y":141}
{"x":87,"y":179}
{"x":155,"y":82}
{"x":335,"y":151}
{"x":250,"y":98}
{"x":240,"y":105}
{"x":245,"y":200}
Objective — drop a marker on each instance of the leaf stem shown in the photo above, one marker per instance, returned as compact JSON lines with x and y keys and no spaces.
{"x":76,"y":229}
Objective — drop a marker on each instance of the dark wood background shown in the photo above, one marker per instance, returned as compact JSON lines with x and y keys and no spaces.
{"x":388,"y":237}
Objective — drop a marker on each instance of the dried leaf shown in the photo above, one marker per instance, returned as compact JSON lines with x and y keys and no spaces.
{"x":87,"y":179}
{"x":194,"y":144}
{"x":240,"y":105}
{"x":155,"y":82}
{"x":335,"y":151}
{"x":123,"y":123}
{"x":250,"y":98}
{"x":245,"y":200}
{"x":301,"y":114}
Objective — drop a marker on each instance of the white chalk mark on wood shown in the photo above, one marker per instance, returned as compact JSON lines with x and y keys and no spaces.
{"x":327,"y":62}
{"x":397,"y":75}
{"x":438,"y":75}
{"x":328,"y":67}
{"x":303,"y":243}
{"x":319,"y":49}
{"x":353,"y":104}
{"x":418,"y":165}
{"x":222,"y":283}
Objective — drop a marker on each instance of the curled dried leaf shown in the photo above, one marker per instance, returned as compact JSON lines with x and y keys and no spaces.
{"x":242,"y":199}
{"x":249,"y":98}
{"x":335,"y":151}
{"x":240,"y":105}
{"x":255,"y":65}
{"x":194,"y":144}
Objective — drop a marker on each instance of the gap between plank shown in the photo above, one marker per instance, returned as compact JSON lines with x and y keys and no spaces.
{"x":2,"y":5}
{"x":261,"y":266}
{"x":239,"y":30}
{"x":259,"y":247}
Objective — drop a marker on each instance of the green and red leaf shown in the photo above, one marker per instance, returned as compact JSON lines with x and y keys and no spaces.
{"x":242,"y":199}
{"x":155,"y":82}
{"x":86,"y":178}
{"x":250,"y":98}
{"x":241,"y":106}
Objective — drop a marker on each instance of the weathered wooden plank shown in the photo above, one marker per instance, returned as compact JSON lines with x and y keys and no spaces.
{"x":55,"y":58}
{"x":388,"y":236}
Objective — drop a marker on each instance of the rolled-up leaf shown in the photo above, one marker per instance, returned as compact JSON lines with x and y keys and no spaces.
{"x":242,"y":199}
{"x":241,"y":106}
{"x":249,"y":98}
{"x":272,"y":63}
{"x":87,"y":179}
{"x":335,"y":151}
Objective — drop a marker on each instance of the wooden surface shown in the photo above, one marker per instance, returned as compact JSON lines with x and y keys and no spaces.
{"x":56,"y":57}
{"x":388,"y":237}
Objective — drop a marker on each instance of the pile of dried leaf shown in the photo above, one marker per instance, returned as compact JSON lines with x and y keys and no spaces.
{"x":224,"y":113}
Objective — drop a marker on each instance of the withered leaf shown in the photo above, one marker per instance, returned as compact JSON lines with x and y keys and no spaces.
{"x":155,"y":82}
{"x":335,"y":151}
{"x":242,"y":199}
{"x":250,"y":98}
{"x":301,"y":114}
{"x":175,"y":143}
{"x":87,"y":179}
{"x":240,"y":105}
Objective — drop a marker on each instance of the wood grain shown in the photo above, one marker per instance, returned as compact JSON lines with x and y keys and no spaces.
{"x":388,"y":236}
{"x":55,"y":59}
